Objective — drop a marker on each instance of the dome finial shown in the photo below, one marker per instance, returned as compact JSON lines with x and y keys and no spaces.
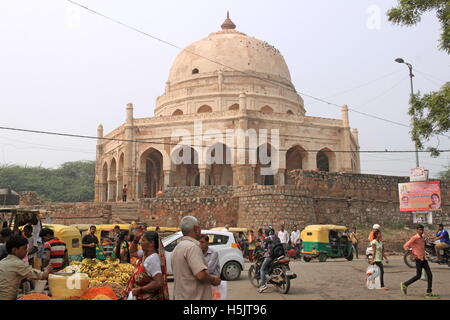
{"x":228,"y":24}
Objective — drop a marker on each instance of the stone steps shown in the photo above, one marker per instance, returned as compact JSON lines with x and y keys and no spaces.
{"x":127,"y":211}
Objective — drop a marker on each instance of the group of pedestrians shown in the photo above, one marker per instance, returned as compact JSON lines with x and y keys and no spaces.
{"x":417,"y":246}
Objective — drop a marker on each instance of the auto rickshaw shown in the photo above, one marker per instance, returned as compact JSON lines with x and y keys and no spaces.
{"x":326,"y":241}
{"x":71,"y":236}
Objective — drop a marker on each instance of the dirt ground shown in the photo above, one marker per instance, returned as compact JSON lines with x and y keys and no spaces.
{"x":340,"y":279}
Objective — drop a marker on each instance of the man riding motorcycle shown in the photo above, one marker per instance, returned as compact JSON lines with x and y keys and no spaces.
{"x":444,"y":242}
{"x":266,"y":246}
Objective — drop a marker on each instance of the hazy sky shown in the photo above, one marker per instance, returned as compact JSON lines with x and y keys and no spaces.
{"x":65,"y":69}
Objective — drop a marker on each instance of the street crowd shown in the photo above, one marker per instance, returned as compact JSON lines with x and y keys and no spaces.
{"x":195,"y":266}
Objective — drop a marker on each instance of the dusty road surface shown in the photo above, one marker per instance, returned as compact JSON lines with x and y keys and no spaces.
{"x":340,"y":279}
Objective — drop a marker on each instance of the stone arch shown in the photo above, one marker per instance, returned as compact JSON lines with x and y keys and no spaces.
{"x":177,"y":112}
{"x":234,"y":107}
{"x":186,"y":173}
{"x":263,"y":174}
{"x":266,"y":110}
{"x":204,"y":109}
{"x":104,"y":182}
{"x":120,"y":170}
{"x":112,"y":180}
{"x":151,"y":165}
{"x":295,"y":157}
{"x":290,"y":112}
{"x":195,"y":71}
{"x":218,"y":157}
{"x":326,"y":160}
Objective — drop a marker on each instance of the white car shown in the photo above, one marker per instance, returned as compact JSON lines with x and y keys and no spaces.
{"x":230,"y":256}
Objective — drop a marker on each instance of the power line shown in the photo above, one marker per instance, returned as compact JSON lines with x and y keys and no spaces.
{"x":360,"y":86}
{"x":200,"y":146}
{"x":430,"y":75}
{"x":381,"y":94}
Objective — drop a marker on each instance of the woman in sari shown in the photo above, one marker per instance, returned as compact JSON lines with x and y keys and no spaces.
{"x":149,"y":279}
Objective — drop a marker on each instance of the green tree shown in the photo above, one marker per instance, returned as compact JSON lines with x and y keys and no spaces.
{"x":429,"y":112}
{"x":71,"y":182}
{"x":409,"y":13}
{"x":431,"y":115}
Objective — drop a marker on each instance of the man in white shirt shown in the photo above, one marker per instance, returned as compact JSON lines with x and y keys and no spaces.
{"x":284,"y":237}
{"x":295,"y":238}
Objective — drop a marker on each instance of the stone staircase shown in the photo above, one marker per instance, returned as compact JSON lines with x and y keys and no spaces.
{"x":125,"y":211}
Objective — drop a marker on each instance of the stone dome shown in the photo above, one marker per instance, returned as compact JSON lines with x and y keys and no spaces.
{"x":230,"y":50}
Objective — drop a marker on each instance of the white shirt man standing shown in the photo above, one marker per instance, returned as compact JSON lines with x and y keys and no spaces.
{"x":284,"y":237}
{"x":295,"y":237}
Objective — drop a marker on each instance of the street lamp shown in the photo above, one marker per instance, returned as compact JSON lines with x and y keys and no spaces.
{"x":400,"y":60}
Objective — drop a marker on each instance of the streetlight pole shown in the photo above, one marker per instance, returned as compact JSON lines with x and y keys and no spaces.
{"x":411,"y":75}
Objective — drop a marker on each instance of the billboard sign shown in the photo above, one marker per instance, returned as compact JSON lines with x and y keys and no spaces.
{"x":420,"y":196}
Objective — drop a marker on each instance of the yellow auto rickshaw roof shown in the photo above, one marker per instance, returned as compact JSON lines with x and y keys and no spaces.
{"x":230,"y":229}
{"x":62,"y":230}
{"x":81,"y":226}
{"x":324,"y":227}
{"x":164,"y":229}
{"x":111,"y":226}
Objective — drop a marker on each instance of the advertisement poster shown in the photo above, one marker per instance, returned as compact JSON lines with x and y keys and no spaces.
{"x":420,"y":196}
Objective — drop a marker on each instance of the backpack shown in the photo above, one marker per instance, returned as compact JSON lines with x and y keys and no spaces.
{"x":276,"y":249}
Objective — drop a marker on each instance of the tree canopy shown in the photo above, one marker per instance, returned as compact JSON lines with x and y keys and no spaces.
{"x":409,"y":13}
{"x":71,"y":182}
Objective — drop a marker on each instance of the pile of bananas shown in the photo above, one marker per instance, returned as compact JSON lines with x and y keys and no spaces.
{"x":101,"y":272}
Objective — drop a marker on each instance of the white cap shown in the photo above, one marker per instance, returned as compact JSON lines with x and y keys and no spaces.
{"x":376,"y":227}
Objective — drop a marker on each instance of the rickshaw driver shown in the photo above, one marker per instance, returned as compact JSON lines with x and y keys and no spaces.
{"x":334,"y":240}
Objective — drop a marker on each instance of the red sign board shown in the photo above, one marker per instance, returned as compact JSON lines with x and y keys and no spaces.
{"x":420,"y":196}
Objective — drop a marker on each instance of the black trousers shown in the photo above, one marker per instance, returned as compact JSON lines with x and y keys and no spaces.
{"x":380,"y":265}
{"x":422,"y":265}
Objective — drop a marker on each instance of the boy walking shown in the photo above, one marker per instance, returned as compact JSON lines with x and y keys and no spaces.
{"x":417,"y":244}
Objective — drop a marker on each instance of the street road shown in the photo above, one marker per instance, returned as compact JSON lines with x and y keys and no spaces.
{"x":339,"y":279}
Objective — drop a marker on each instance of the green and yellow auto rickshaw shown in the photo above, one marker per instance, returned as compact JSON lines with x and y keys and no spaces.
{"x":326,"y":241}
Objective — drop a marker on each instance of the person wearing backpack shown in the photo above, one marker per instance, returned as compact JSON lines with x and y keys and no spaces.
{"x":271,"y":247}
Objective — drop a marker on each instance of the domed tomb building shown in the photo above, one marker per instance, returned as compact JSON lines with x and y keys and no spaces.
{"x":229,"y":115}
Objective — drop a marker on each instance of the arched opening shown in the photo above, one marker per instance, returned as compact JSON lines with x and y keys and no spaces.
{"x":290,"y":112}
{"x":266,"y":110}
{"x":112,"y":181}
{"x":104,"y":183}
{"x":177,"y":112}
{"x":219,"y":158}
{"x":294,"y":161}
{"x":120,"y":177}
{"x":152,"y":163}
{"x":195,"y":71}
{"x":325,"y":160}
{"x":204,"y":109}
{"x":234,"y":107}
{"x":186,"y":162}
{"x":263,"y":171}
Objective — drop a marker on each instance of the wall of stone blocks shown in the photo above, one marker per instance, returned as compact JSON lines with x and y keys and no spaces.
{"x":212,"y":205}
{"x":74,"y":213}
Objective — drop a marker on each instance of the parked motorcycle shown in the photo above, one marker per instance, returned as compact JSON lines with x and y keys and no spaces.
{"x":279,"y":273}
{"x":430,"y":255}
